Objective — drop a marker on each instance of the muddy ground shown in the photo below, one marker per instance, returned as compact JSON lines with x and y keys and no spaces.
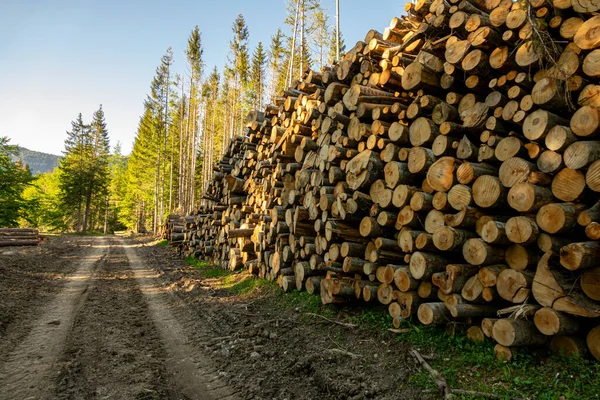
{"x":114,"y":318}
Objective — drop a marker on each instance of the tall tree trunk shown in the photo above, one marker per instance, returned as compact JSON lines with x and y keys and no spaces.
{"x":156,"y":188}
{"x":88,"y":204}
{"x":106,"y":216}
{"x":181,"y":122}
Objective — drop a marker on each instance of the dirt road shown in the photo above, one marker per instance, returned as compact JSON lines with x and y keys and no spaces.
{"x":108,"y":332}
{"x":112,"y":318}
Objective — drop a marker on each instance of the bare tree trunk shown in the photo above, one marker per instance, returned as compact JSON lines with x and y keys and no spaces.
{"x":181,"y":121}
{"x":106,"y":216}
{"x":290,"y":77}
{"x":166,"y":132}
{"x":302,"y":40}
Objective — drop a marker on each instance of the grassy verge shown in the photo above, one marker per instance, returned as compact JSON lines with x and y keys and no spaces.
{"x":533,"y":374}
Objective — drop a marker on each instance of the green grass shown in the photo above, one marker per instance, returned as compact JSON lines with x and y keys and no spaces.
{"x":163,"y":243}
{"x":533,"y":373}
{"x":207,"y":270}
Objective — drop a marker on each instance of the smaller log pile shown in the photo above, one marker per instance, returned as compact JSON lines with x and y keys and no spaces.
{"x":19,"y":237}
{"x":447,"y":168}
{"x":174,"y":229}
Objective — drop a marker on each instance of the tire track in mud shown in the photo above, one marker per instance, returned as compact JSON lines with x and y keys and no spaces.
{"x":114,"y":350}
{"x":191,"y":369}
{"x":28,"y":370}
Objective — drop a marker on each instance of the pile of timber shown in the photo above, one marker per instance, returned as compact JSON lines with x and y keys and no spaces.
{"x":448,"y":168}
{"x":174,"y":229}
{"x":19,"y":237}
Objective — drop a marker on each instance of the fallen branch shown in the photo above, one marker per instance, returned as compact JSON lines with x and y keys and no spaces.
{"x":440,"y":381}
{"x":346,"y":324}
{"x":442,"y":385}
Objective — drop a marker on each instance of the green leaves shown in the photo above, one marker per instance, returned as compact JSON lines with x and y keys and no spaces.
{"x":14,"y":178}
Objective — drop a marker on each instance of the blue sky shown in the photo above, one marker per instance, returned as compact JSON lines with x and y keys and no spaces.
{"x":60,"y":58}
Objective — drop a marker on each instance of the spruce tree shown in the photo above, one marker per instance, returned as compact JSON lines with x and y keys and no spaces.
{"x":97,"y":175}
{"x":257,"y":77}
{"x":332,"y":47}
{"x":75,"y":167}
{"x":277,"y":63}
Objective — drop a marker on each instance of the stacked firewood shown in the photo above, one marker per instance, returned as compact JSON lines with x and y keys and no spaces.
{"x":19,"y":237}
{"x":174,"y":229}
{"x":446,"y":168}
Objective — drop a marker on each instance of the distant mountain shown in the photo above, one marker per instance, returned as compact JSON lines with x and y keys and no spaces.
{"x":38,"y":162}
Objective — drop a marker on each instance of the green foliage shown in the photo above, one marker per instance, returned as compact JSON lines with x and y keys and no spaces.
{"x":278,"y":66}
{"x":14,"y":179}
{"x":256,"y":86}
{"x":238,"y":47}
{"x":250,"y":284}
{"x":44,"y":197}
{"x":37,"y":161}
{"x":163,"y":243}
{"x":85,"y":176}
{"x":332,"y":47}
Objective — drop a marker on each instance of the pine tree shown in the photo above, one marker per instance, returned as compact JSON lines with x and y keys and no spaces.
{"x":210,"y":95}
{"x":116,"y":188}
{"x":158,"y":102}
{"x":194,"y":53}
{"x":277,"y":63}
{"x":319,"y":34}
{"x":97,"y":175}
{"x":332,"y":47}
{"x":74,"y":165}
{"x":137,"y":205}
{"x":237,"y":71}
{"x":257,"y":77}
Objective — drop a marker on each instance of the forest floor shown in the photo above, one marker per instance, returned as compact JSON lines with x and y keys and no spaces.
{"x":125,"y":318}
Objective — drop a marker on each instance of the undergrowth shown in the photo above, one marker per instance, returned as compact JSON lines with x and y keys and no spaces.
{"x":532,"y":374}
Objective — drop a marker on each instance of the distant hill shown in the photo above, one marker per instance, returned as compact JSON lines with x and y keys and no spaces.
{"x":38,"y":162}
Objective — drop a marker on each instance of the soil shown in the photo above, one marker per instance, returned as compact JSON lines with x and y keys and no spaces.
{"x":114,"y":318}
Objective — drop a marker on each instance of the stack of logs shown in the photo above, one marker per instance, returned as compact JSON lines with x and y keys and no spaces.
{"x":174,"y":229}
{"x":448,"y":168}
{"x":19,"y":237}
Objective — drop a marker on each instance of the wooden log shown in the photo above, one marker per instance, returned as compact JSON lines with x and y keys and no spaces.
{"x":593,"y":342}
{"x":488,"y":192}
{"x":477,"y":252}
{"x":449,"y":239}
{"x":526,"y":197}
{"x":504,"y":353}
{"x":519,"y":257}
{"x":585,"y":122}
{"x":551,"y":322}
{"x":363,"y":170}
{"x":517,"y":332}
{"x":423,"y":265}
{"x":568,"y":184}
{"x":488,"y":275}
{"x":575,"y":256}
{"x":522,"y":230}
{"x":552,"y":289}
{"x":514,"y":285}
{"x":570,"y":346}
{"x":581,"y":154}
{"x":558,"y":217}
{"x":440,"y":175}
{"x":472,"y":310}
{"x":433,"y":313}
